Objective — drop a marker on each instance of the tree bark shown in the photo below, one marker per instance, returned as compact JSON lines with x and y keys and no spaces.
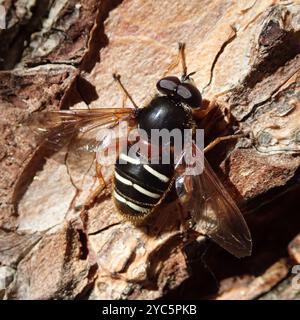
{"x":61,"y":54}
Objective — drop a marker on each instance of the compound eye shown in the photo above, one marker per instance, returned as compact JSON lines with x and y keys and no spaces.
{"x":189,"y":94}
{"x":168,"y":85}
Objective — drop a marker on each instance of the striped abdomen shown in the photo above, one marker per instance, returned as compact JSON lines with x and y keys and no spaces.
{"x":139,"y":187}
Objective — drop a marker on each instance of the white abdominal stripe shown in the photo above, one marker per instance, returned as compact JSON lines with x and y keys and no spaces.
{"x":131,"y":160}
{"x":155,"y":173}
{"x":136,"y":187}
{"x":128,"y":191}
{"x":130,"y":204}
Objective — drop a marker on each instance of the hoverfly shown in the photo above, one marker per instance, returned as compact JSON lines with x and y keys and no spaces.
{"x":138,"y":189}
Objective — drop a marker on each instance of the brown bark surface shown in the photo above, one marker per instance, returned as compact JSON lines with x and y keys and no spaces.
{"x":61,"y":54}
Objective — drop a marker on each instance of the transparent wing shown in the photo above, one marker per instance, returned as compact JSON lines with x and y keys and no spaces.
{"x":56,"y":128}
{"x":95,"y":148}
{"x":82,"y":132}
{"x":211,"y":207}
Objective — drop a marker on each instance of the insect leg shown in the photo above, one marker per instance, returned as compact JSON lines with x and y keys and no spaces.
{"x":100,"y":175}
{"x":208,"y":106}
{"x":117,"y":78}
{"x":185,"y":224}
{"x":219,"y":139}
{"x":94,"y":195}
{"x":103,"y":186}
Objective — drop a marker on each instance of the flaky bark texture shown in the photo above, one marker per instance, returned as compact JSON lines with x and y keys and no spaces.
{"x":61,"y":54}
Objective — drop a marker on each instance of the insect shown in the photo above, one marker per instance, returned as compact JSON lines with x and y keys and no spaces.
{"x":139,"y":189}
